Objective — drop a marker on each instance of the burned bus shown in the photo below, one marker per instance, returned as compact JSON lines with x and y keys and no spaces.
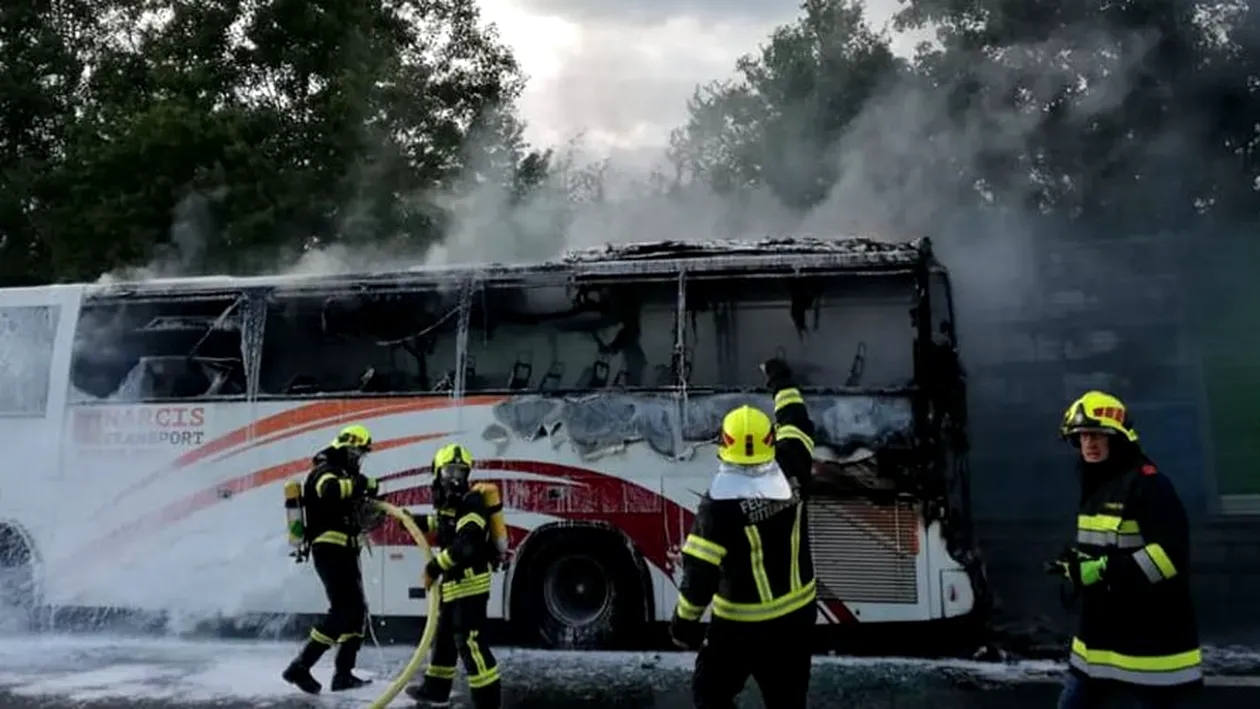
{"x":157,"y":422}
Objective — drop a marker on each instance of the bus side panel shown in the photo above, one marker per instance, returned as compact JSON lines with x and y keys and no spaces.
{"x":36,"y":331}
{"x":179,"y":506}
{"x":157,"y":511}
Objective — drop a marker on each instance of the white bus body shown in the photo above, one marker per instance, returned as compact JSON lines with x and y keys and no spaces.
{"x":130,"y":493}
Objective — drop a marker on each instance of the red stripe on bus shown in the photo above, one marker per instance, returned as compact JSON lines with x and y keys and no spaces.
{"x":208,"y":497}
{"x":303,"y":419}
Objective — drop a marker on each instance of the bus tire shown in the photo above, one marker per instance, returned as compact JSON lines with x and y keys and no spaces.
{"x":18,"y":593}
{"x":580,"y":590}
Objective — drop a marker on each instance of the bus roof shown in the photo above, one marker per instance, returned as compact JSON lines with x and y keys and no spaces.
{"x":855,"y":254}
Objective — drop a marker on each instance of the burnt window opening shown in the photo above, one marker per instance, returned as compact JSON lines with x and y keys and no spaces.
{"x":834,"y":331}
{"x":28,"y":334}
{"x":365,"y":342}
{"x":586,"y":336}
{"x":140,"y":351}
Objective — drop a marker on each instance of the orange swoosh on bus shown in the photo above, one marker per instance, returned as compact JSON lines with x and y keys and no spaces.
{"x":303,"y":419}
{"x":203,"y":499}
{"x":394,"y":406}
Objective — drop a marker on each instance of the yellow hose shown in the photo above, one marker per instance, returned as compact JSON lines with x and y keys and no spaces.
{"x":430,"y":624}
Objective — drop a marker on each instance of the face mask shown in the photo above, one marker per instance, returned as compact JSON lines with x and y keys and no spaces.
{"x":453,"y":476}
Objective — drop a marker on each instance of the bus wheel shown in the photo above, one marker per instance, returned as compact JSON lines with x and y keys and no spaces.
{"x":580,"y":592}
{"x":17,"y":581}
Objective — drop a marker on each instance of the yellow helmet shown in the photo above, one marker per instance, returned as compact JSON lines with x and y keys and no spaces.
{"x":355,"y":436}
{"x":452,"y":454}
{"x":1098,"y":412}
{"x":747,"y":437}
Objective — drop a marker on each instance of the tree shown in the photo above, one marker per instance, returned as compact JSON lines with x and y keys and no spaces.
{"x":42,"y":60}
{"x":1133,"y":114}
{"x":1127,"y":112}
{"x":262,"y":127}
{"x":776,"y":126}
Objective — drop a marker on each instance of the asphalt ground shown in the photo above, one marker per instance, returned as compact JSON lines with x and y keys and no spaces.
{"x":107,"y":672}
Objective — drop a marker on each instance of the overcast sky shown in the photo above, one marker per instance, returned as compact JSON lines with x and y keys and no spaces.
{"x":621,"y":71}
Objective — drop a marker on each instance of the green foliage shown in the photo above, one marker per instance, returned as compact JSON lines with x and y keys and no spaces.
{"x":795,"y":101}
{"x":259,"y":127}
{"x":1131,"y":114}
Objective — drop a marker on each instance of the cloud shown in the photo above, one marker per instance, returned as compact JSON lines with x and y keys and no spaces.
{"x":621,"y":73}
{"x":654,"y":11}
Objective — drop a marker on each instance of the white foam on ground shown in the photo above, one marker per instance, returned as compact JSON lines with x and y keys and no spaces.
{"x":92,"y":667}
{"x":86,"y":668}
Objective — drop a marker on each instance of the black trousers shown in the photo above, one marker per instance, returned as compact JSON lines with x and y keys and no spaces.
{"x":338,"y":569}
{"x":461,"y":625}
{"x":775,"y":653}
{"x":1085,"y":693}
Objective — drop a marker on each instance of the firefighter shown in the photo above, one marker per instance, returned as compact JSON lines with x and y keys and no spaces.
{"x":462,"y":572}
{"x":1130,"y":566}
{"x":333,"y":495}
{"x":748,"y":553}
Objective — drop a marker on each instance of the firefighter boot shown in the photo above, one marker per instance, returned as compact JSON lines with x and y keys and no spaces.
{"x":435,"y":690}
{"x":347,"y":655}
{"x":298,"y":673}
{"x":488,"y":697}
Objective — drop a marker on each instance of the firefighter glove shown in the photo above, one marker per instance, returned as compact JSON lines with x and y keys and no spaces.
{"x":1083,"y":570}
{"x":777,"y":372}
{"x":365,"y":486}
{"x":1090,"y":571}
{"x":432,"y":572}
{"x":686,"y":634}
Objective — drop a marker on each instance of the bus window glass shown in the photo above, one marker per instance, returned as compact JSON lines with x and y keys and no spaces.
{"x":27,"y":336}
{"x":835,"y":331}
{"x":572,"y":337}
{"x":130,"y":351}
{"x":363,"y":342}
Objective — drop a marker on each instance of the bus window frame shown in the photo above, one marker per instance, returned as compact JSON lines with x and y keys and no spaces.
{"x":237,"y":295}
{"x":791,"y":270}
{"x":54,"y":311}
{"x":475,"y":280}
{"x":345,"y":289}
{"x":574,"y":279}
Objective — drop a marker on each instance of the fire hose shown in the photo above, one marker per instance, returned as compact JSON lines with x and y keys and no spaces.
{"x":431,"y":621}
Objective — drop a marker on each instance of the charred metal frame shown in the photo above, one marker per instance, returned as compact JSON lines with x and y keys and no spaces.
{"x":937,"y":391}
{"x":938,"y":401}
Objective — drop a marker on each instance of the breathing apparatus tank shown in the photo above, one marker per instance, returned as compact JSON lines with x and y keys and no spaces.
{"x":494,"y":503}
{"x":295,"y":519}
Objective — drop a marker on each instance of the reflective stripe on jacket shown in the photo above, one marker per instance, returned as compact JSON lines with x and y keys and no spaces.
{"x":1138,"y":625}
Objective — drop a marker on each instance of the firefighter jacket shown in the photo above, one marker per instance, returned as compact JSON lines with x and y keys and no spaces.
{"x":468,"y":552}
{"x":751,"y":557}
{"x":1137,"y":625}
{"x":332,"y":495}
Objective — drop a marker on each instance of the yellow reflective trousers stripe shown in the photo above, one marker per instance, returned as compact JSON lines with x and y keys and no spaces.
{"x":1155,"y":671}
{"x":471,"y":585}
{"x":440,"y":672}
{"x":759,"y":612}
{"x":341,"y":539}
{"x":485,"y":675}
